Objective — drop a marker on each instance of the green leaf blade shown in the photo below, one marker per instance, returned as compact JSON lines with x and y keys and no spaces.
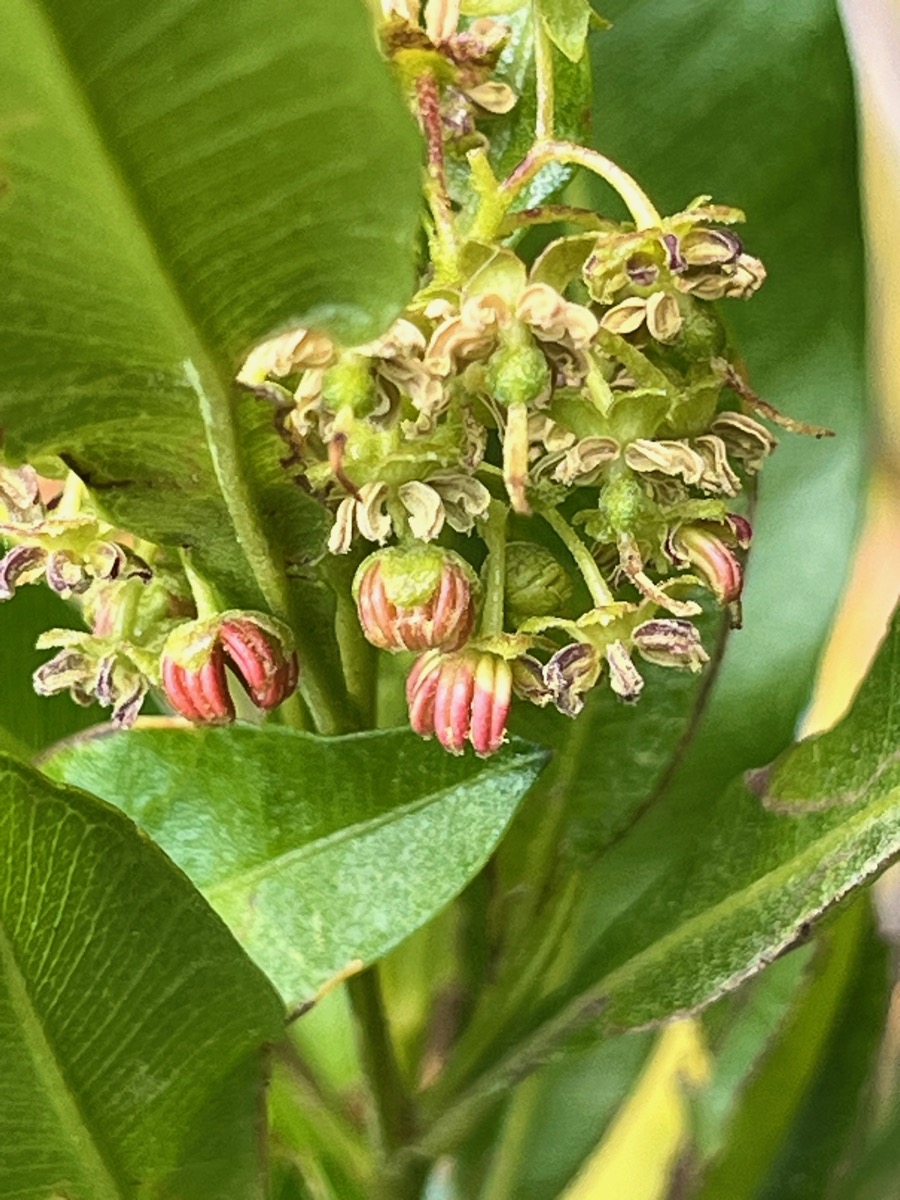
{"x":181,"y":183}
{"x":684,"y":909}
{"x":567,"y":23}
{"x":117,"y":1081}
{"x":321,"y":855}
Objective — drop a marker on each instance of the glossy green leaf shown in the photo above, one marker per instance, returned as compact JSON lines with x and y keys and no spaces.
{"x":824,"y":1138}
{"x":131,"y":1024}
{"x":741,"y":1030}
{"x":181,"y":180}
{"x":557,"y":1119}
{"x":741,"y":885}
{"x":320,"y":854}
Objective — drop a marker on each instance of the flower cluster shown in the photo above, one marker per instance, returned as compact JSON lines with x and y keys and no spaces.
{"x":538,"y":471}
{"x":140,"y":611}
{"x":593,"y":397}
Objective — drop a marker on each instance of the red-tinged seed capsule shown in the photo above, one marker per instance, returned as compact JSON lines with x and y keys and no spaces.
{"x":713,"y":560}
{"x":490,"y":704}
{"x":461,"y":697}
{"x":257,"y":657}
{"x":250,"y":656}
{"x":421,"y":687}
{"x":208,"y":688}
{"x":415,"y":599}
{"x":177,"y":692}
{"x":283,"y":685}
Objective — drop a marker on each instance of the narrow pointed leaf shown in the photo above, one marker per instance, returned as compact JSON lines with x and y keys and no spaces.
{"x":795,"y":1119}
{"x":744,"y":881}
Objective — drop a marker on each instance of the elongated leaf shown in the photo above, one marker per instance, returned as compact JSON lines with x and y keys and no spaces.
{"x":741,"y":886}
{"x":131,"y":1024}
{"x":741,"y":1030}
{"x":180,"y":181}
{"x":319,"y":854}
{"x":554,"y":1123}
{"x":823,"y":1140}
{"x":794,"y":1119}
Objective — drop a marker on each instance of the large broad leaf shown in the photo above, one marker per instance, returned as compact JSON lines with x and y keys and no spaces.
{"x":181,"y":180}
{"x":321,"y":854}
{"x":681,"y":124}
{"x":131,"y":1024}
{"x":772,"y":857}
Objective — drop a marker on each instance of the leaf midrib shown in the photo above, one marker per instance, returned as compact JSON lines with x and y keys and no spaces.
{"x":99,"y":1171}
{"x":185,"y":322}
{"x":243,"y":880}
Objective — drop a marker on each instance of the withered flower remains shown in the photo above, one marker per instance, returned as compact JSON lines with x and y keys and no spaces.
{"x":537,"y":472}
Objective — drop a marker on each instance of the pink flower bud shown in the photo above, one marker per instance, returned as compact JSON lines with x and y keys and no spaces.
{"x":460,"y":697}
{"x":200,"y":695}
{"x":415,"y":600}
{"x":258,"y":659}
{"x":251,"y":645}
{"x":712,"y":559}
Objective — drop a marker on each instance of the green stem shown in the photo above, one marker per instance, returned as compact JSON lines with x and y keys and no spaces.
{"x":590,"y":572}
{"x":543,"y":153}
{"x":394,"y":1118}
{"x":359,"y":659}
{"x":206,"y":599}
{"x":444,"y":248}
{"x":318,"y":692}
{"x":543,"y":63}
{"x":494,"y":534}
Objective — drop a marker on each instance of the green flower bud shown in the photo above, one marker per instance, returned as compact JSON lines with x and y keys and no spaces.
{"x":518,"y":374}
{"x":349,"y":384}
{"x":536,"y":584}
{"x":702,"y":333}
{"x":624,"y":506}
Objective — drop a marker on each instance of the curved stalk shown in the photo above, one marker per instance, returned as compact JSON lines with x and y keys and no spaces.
{"x":541,"y":155}
{"x":544,"y":90}
{"x":494,"y":533}
{"x":590,"y":572}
